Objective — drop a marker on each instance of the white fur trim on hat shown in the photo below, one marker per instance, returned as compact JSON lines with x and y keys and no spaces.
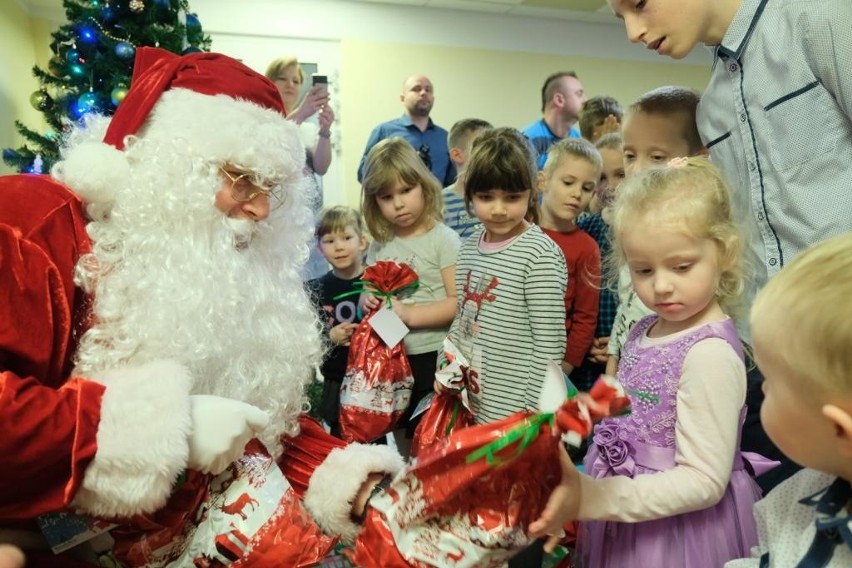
{"x":336,"y":482}
{"x":220,"y":129}
{"x":93,"y":170}
{"x":142,"y":440}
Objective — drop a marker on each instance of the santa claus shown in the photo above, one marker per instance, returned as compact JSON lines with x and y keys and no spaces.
{"x":153,"y":320}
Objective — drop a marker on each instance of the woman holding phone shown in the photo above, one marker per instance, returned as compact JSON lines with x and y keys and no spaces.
{"x":288,"y":76}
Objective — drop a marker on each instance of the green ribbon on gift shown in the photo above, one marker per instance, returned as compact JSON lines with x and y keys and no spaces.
{"x":360,"y":286}
{"x":455,"y":416}
{"x":523,"y":435}
{"x":527,"y":431}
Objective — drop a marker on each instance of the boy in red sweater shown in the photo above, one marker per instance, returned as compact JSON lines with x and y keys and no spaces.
{"x":567,"y":182}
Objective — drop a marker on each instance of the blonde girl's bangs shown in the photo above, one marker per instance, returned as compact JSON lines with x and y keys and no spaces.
{"x":389,"y":162}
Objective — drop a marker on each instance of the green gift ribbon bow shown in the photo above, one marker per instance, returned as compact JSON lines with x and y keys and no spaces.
{"x":527,"y":431}
{"x":360,"y":286}
{"x":523,"y":434}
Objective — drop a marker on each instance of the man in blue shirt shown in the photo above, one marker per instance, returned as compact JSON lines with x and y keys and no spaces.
{"x":429,"y":139}
{"x":562,"y":98}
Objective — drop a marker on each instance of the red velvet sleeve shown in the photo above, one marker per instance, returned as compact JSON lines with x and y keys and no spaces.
{"x":584,"y":318}
{"x":48,"y":423}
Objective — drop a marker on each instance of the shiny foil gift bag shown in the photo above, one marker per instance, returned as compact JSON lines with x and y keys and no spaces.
{"x":376,"y":388}
{"x":248,"y":515}
{"x":450,"y":410}
{"x":469,"y":503}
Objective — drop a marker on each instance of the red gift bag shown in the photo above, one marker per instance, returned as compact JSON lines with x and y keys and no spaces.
{"x":376,"y":388}
{"x":450,"y":410}
{"x":469,"y":502}
{"x":248,"y":515}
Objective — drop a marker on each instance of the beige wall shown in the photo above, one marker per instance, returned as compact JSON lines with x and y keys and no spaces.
{"x":499,"y":86}
{"x":19,"y":36}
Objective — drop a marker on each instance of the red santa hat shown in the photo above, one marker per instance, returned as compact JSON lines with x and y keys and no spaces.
{"x":157,"y":70}
{"x":214,"y":103}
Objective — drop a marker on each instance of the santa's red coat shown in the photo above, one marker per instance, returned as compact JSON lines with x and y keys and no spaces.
{"x":48,"y":420}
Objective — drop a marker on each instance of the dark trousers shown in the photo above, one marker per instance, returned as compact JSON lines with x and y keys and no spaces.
{"x":423,"y":367}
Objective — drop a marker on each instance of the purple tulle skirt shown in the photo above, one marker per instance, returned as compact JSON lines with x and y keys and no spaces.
{"x":701,"y":539}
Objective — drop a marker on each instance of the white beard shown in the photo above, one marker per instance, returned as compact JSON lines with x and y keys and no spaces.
{"x":172,"y":277}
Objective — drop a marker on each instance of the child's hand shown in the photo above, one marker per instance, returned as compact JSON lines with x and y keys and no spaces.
{"x":438,"y":387}
{"x":563,"y":505}
{"x":341,"y":334}
{"x":367,"y":302}
{"x":400,"y":309}
{"x":598,"y":352}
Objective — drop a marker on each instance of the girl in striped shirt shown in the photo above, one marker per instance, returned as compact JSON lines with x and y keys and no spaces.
{"x":510,"y":281}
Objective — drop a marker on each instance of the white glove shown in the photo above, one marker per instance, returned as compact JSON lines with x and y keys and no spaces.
{"x":221,"y":428}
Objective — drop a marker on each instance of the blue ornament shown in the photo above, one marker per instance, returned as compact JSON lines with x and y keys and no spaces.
{"x":87,"y":34}
{"x":85,"y":103}
{"x":108,"y":15}
{"x":73,"y":56}
{"x":77,"y":70}
{"x":124,"y":50}
{"x":9,"y":154}
{"x":192,"y":21}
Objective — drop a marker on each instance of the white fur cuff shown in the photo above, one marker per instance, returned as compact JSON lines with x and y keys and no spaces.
{"x":336,"y":481}
{"x":142,"y":440}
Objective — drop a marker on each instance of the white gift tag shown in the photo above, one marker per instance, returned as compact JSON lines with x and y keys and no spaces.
{"x":423,"y":405}
{"x":389,"y":327}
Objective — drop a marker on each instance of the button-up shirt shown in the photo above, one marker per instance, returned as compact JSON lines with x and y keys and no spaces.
{"x":432,"y":141}
{"x":776,"y":119}
{"x":803,"y":523}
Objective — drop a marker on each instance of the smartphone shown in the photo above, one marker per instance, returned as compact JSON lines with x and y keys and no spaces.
{"x":317,"y":79}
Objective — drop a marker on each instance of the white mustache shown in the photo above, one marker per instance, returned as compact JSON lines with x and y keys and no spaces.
{"x":242,"y":230}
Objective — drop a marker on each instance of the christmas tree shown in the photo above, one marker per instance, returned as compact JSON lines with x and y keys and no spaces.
{"x":92,"y":64}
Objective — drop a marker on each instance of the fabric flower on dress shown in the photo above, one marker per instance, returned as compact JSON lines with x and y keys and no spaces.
{"x":614,"y":454}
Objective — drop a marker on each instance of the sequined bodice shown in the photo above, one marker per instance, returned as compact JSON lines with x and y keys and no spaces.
{"x":651,"y":375}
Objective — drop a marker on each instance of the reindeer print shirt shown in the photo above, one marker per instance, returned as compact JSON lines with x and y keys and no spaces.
{"x":510,"y":319}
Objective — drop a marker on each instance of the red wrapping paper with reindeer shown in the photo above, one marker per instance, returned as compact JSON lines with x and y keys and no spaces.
{"x":450,"y":410}
{"x":248,"y":515}
{"x":469,"y":503}
{"x":376,"y":388}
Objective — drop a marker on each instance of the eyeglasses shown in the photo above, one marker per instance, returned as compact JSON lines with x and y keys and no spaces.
{"x":423,"y":153}
{"x":246,"y":186}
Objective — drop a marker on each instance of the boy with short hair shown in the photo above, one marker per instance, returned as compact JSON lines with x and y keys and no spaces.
{"x":597,"y":226}
{"x":600,"y":116}
{"x":776,"y":118}
{"x":460,"y":140}
{"x":567,"y":182}
{"x":341,"y":240}
{"x":659,"y":126}
{"x":801,"y":343}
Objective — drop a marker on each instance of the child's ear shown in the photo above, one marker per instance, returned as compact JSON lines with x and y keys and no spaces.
{"x":842,"y":422}
{"x":542,"y":182}
{"x":362,"y":246}
{"x":457,"y":156}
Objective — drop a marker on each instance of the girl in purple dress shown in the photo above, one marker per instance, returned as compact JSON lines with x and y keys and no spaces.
{"x":667,"y":485}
